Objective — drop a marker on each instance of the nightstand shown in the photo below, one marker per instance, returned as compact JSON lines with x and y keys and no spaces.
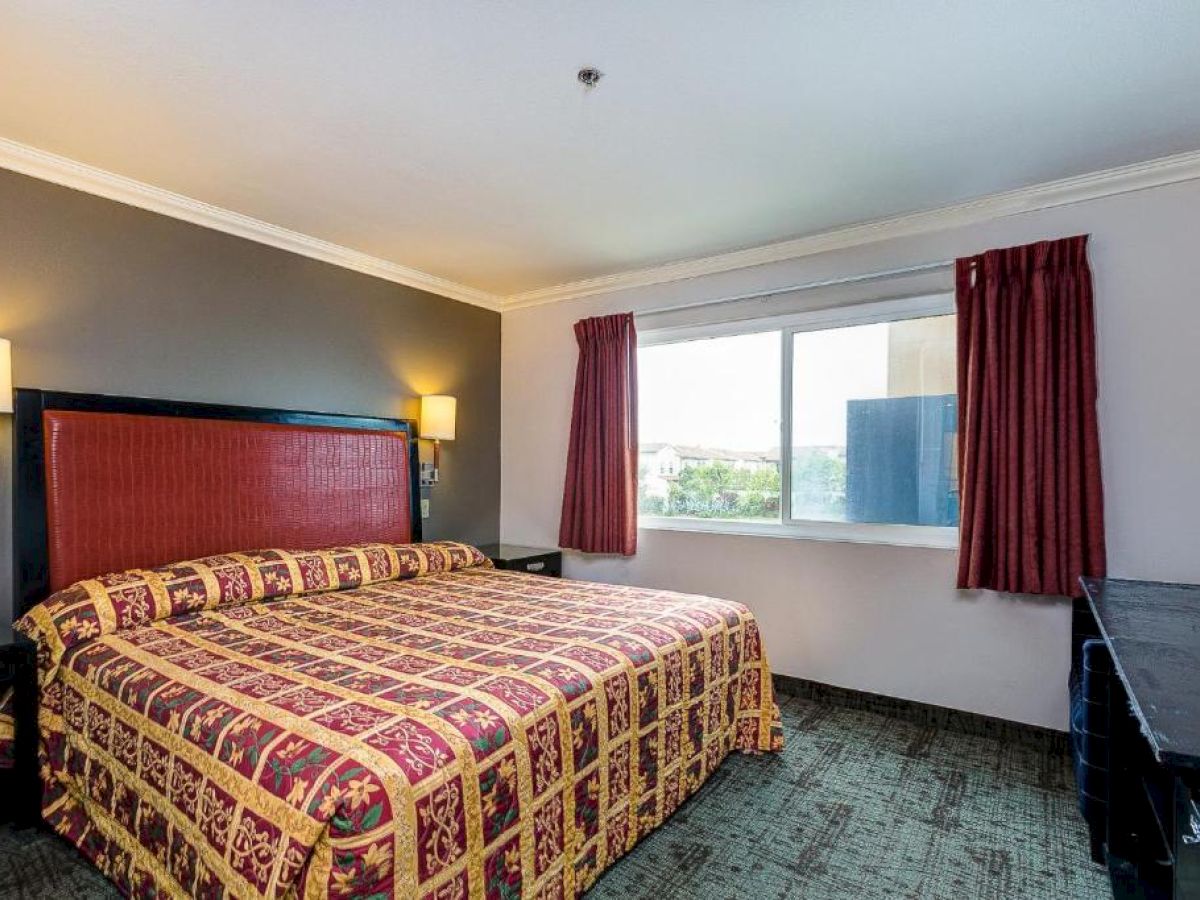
{"x":18,"y":670}
{"x":537,"y":560}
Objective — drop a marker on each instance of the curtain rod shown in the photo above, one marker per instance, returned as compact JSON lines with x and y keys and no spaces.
{"x":806,"y":286}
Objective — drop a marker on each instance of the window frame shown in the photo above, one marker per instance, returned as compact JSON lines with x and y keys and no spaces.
{"x":788,"y":325}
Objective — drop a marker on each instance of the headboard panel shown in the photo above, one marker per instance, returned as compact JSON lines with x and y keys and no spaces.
{"x":110,"y":483}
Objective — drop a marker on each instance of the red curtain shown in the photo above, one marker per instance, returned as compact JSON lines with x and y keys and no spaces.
{"x":599,"y":511}
{"x":1029,"y":447}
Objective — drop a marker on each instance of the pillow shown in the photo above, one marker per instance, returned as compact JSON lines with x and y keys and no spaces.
{"x":94,"y":607}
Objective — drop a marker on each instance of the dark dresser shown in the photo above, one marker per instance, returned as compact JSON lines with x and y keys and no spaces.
{"x":1152,"y":834}
{"x":537,"y":560}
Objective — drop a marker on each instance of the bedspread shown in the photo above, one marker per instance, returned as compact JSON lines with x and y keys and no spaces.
{"x":8,"y":731}
{"x":357,"y":723}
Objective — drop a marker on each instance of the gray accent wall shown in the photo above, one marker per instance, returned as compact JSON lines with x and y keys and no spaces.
{"x":105,"y":298}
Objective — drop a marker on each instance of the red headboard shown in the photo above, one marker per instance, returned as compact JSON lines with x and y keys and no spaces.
{"x":129,"y":483}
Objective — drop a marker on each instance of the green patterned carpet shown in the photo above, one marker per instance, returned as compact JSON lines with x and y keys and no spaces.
{"x":859,"y":805}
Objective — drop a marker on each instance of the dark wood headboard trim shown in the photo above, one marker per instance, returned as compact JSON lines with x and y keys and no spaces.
{"x":31,"y":562}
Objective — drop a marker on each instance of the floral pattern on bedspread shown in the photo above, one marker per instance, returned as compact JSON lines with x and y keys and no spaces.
{"x":8,"y":731}
{"x":464,"y":733}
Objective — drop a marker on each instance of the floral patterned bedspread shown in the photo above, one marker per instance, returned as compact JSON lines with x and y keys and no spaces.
{"x":8,"y":731}
{"x":381,"y":721}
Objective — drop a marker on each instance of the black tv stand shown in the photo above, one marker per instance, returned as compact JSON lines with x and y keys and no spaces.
{"x":1152,"y":631}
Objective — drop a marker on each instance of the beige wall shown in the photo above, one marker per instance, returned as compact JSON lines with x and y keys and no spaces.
{"x":104,"y":298}
{"x":888,"y":619}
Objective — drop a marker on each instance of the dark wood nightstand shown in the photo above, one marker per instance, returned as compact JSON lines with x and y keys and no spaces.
{"x":537,"y":560}
{"x":18,"y":670}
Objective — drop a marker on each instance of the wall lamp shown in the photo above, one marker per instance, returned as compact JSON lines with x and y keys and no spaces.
{"x":437,"y":424}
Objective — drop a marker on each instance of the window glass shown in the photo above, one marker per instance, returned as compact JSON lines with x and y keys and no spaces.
{"x":874,"y":418}
{"x":871,"y":412}
{"x":708,"y":422}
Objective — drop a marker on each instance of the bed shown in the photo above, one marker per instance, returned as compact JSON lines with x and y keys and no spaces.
{"x":364,"y":714}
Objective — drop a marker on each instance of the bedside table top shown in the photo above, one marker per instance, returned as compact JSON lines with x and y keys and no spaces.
{"x":514,"y":551}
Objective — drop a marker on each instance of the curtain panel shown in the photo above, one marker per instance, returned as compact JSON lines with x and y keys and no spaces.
{"x":1029,"y":447}
{"x":599,"y":510}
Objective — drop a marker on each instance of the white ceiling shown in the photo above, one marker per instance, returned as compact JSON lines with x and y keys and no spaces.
{"x":452,"y":137}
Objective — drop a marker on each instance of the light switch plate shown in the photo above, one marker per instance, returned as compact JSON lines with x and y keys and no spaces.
{"x":424,"y":507}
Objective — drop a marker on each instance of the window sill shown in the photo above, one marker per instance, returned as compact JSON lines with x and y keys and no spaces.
{"x":925,"y":536}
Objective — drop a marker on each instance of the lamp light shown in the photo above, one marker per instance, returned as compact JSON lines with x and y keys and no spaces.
{"x":437,"y":417}
{"x":6,"y":385}
{"x":438,"y":413}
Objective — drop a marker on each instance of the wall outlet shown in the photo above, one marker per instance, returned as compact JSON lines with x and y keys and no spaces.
{"x":424,"y":507}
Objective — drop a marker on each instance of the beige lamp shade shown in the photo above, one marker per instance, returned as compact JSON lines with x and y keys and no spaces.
{"x":6,"y":386}
{"x":437,"y":417}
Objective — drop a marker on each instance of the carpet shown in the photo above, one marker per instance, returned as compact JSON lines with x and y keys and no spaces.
{"x":859,"y":805}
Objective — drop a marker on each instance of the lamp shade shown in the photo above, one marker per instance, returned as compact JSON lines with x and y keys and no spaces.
{"x":437,"y":417}
{"x":6,"y":387}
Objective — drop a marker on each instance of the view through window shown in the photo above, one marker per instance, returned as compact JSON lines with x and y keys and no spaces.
{"x":872,"y":419}
{"x":708,"y":422}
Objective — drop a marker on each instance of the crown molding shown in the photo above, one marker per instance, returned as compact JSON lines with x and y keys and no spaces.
{"x":81,"y":177}
{"x":1106,"y":183}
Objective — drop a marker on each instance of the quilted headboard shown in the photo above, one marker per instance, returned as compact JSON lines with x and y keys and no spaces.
{"x":110,"y":483}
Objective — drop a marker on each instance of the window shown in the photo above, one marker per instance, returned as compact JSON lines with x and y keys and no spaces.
{"x":862,"y":401}
{"x":708,"y":420}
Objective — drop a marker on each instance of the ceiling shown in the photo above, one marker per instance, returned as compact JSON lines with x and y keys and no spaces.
{"x":453,"y":138}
